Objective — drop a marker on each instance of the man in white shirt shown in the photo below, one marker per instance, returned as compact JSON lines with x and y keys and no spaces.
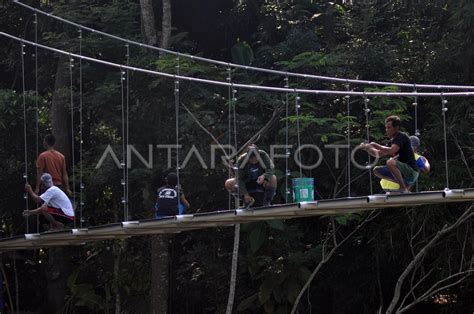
{"x":56,"y":206}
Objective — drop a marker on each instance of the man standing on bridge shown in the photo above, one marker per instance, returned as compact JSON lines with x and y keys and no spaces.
{"x":53,"y":162}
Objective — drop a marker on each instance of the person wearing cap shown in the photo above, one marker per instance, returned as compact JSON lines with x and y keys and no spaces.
{"x":421,"y":162}
{"x":56,"y":206}
{"x":167,"y":202}
{"x":401,"y":168}
{"x":53,"y":162}
{"x":256,"y":177}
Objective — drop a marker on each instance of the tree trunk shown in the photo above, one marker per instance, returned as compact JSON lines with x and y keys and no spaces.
{"x":166,"y":24}
{"x":160,"y":247}
{"x":159,"y":273}
{"x":60,"y":109}
{"x":117,"y":253}
{"x":148,"y":22}
{"x":58,"y":267}
{"x":329,"y":32}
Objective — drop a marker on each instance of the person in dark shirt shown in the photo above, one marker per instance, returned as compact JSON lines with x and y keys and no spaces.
{"x":401,"y":167}
{"x":167,"y":203}
{"x":257,"y":182}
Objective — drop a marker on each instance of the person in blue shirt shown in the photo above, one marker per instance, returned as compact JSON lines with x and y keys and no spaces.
{"x":167,"y":202}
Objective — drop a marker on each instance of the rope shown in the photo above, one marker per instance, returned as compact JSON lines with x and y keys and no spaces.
{"x":25,"y":143}
{"x":444,"y":102}
{"x":297,"y":110}
{"x":35,"y":22}
{"x":287,"y":150}
{"x":81,"y":140}
{"x":127,"y":96}
{"x":71,"y":65}
{"x":247,"y":68}
{"x":124,"y":161}
{"x":176,"y":106}
{"x":244,"y":86}
{"x":348,"y":104}
{"x":367,"y":126}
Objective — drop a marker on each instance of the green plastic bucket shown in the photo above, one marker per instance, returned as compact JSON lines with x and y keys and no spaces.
{"x":303,"y":189}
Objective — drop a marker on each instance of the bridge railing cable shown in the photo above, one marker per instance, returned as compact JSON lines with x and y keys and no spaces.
{"x":248,"y":68}
{"x":245,"y":86}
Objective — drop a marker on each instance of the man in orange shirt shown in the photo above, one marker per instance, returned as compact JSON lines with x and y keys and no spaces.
{"x":53,"y":162}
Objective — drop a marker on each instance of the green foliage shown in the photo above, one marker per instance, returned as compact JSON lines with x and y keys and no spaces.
{"x":82,"y":296}
{"x":242,"y":53}
{"x":396,"y":41}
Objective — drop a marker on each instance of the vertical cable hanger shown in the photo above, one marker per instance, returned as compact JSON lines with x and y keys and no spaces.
{"x":81,"y":139}
{"x":127,"y":133}
{"x":444,"y":109}
{"x":233,"y":103}
{"x":71,"y":66}
{"x":35,"y":22}
{"x":176,"y":105}
{"x":367,"y":127}
{"x":287,"y":149}
{"x":25,"y":143}
{"x":229,"y":128}
{"x":123,"y":164}
{"x":348,"y":106}
{"x":297,"y":110}
{"x":417,"y":131}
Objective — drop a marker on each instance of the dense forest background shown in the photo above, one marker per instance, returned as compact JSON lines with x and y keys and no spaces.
{"x":411,"y":260}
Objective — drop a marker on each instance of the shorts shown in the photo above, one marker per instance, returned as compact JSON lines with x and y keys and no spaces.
{"x":409,"y":174}
{"x":59,"y":215}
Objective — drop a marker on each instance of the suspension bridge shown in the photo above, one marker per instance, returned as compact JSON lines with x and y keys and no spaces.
{"x":127,"y":228}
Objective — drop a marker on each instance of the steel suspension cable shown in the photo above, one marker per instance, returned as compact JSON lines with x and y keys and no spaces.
{"x":247,"y":68}
{"x":444,"y":109}
{"x":417,"y":131}
{"x":367,"y":127}
{"x":287,"y":150}
{"x":236,"y":166}
{"x":35,"y":22}
{"x":25,"y":142}
{"x":229,"y":128}
{"x":176,"y":106}
{"x":348,"y":107}
{"x":124,"y":148}
{"x":73,"y":162}
{"x":245,"y":86}
{"x":127,"y":135}
{"x":297,"y":110}
{"x":81,"y":138}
